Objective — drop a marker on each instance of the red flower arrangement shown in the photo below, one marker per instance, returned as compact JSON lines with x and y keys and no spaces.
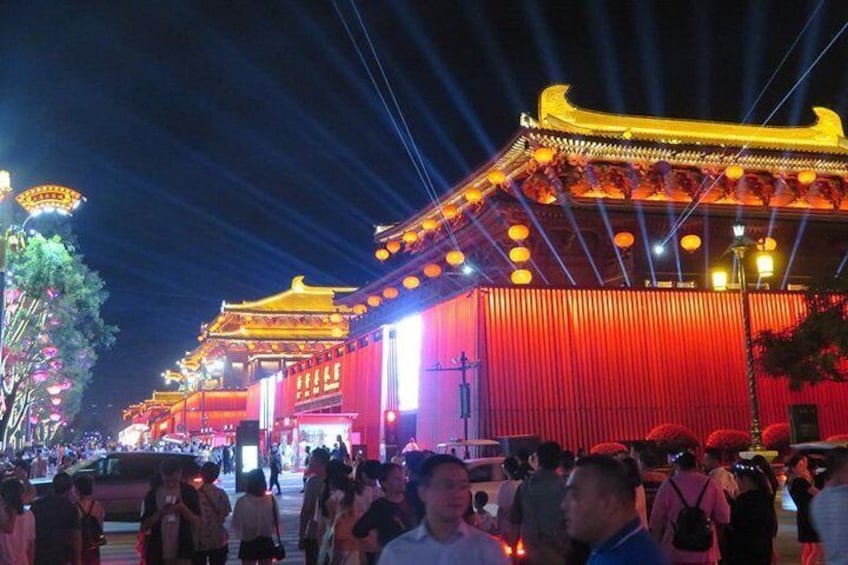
{"x":729,"y":440}
{"x":776,"y":436}
{"x":673,"y":437}
{"x":838,"y":437}
{"x":608,"y":448}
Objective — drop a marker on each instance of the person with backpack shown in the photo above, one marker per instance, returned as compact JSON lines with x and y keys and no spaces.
{"x":688,"y":509}
{"x":91,"y":515}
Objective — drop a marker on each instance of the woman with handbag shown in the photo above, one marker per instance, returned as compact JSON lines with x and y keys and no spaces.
{"x":256,"y":521}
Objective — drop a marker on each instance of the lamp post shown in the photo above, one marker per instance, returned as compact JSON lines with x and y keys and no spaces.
{"x":465,"y":365}
{"x":765,"y":267}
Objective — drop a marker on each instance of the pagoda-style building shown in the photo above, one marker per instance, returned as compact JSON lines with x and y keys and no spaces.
{"x":575,"y":267}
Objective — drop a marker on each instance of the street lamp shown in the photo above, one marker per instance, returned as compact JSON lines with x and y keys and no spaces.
{"x":765,"y":268}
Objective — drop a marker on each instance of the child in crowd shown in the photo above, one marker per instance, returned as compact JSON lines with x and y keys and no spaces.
{"x":485,"y":521}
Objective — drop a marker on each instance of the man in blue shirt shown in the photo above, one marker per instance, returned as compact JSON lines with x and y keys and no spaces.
{"x":444,"y":538}
{"x":600,"y":506}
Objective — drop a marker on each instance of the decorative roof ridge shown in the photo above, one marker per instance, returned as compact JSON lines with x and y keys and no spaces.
{"x":298,"y":287}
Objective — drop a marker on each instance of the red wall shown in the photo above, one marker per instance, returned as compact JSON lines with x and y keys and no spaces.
{"x":585,"y":366}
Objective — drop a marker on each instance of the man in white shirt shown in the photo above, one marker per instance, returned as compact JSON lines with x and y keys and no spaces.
{"x":827,"y":509}
{"x":721,"y":476}
{"x":444,"y":538}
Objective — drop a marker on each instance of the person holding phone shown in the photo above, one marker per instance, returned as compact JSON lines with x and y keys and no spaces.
{"x":170,"y":511}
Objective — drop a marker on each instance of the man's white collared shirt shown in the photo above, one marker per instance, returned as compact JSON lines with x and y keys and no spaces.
{"x":467,"y":546}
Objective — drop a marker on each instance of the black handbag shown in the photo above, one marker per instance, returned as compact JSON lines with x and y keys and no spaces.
{"x":278,"y":553}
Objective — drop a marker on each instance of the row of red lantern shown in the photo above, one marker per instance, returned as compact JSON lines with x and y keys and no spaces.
{"x":624,"y":240}
{"x":735,"y":172}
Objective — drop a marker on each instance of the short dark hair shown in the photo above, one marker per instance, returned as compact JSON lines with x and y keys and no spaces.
{"x":84,"y":484}
{"x":429,"y":466}
{"x":170,"y":466}
{"x":387,"y":468}
{"x":685,"y":460}
{"x":648,"y":458}
{"x":713,"y":452}
{"x":413,"y":461}
{"x":370,"y":467}
{"x":210,"y":471}
{"x":481,"y":499}
{"x":256,"y":484}
{"x":837,"y":460}
{"x":567,"y":460}
{"x":549,"y":454}
{"x":320,"y":456}
{"x":632,"y":468}
{"x":12,"y":493}
{"x":611,"y":474}
{"x":512,"y":466}
{"x":62,"y":483}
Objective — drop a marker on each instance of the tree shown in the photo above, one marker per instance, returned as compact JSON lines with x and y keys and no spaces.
{"x":815,"y":348}
{"x":53,"y":332}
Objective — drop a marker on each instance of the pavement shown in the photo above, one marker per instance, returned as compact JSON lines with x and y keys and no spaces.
{"x":120,"y":549}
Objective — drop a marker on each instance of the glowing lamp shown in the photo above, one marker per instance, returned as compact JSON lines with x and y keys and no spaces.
{"x":521,"y":276}
{"x":496,"y":177}
{"x":390,"y":293}
{"x":543,"y":155}
{"x":55,"y":417}
{"x":455,"y":258}
{"x":374,"y":301}
{"x":690,"y":243}
{"x":432,"y":270}
{"x":430,"y":224}
{"x":807,"y":177}
{"x":411,"y":282}
{"x":765,"y":265}
{"x":336,"y":332}
{"x":519,"y":254}
{"x":518,"y":232}
{"x":5,"y":180}
{"x":391,"y":416}
{"x":53,"y":390}
{"x":49,"y":199}
{"x":382,"y":254}
{"x":410,"y":237}
{"x":734,"y":172}
{"x":450,"y":211}
{"x":336,"y":318}
{"x":360,"y":309}
{"x":719,"y":280}
{"x":55,"y":401}
{"x":624,"y":240}
{"x":39,"y":376}
{"x":766,"y":244}
{"x":474,"y":195}
{"x":393,"y":246}
{"x":739,"y":230}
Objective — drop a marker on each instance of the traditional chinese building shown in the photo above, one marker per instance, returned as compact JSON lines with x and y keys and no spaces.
{"x":574,"y":266}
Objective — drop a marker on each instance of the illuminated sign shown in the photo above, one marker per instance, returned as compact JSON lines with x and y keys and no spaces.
{"x":320,"y":381}
{"x":49,"y":198}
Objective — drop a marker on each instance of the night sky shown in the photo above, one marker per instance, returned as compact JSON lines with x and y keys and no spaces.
{"x":226,"y":147}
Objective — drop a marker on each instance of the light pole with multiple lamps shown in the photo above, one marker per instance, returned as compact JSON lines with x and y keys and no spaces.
{"x":740,"y":247}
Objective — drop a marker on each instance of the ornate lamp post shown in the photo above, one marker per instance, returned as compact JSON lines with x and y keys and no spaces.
{"x":765,"y":268}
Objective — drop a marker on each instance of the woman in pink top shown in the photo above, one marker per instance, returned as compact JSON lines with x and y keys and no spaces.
{"x":668,"y":504}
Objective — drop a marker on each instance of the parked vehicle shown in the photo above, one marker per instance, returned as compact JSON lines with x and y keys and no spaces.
{"x":121,"y":480}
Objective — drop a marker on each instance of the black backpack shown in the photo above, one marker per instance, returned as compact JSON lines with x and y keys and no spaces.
{"x":693,"y":530}
{"x":92,"y":532}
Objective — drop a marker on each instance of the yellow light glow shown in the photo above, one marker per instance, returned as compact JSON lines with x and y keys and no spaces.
{"x":719,"y":280}
{"x":518,"y":232}
{"x":690,"y":242}
{"x":336,"y":318}
{"x":432,"y":270}
{"x":521,"y":276}
{"x":766,"y":244}
{"x":496,"y":177}
{"x":519,"y":254}
{"x":543,"y":155}
{"x":765,"y":265}
{"x":807,"y":177}
{"x":390,"y":293}
{"x":474,"y":195}
{"x":430,"y":224}
{"x":373,"y":301}
{"x":411,"y":282}
{"x":393,"y":246}
{"x":410,"y":237}
{"x":450,"y":211}
{"x":360,"y":309}
{"x":337,"y":332}
{"x":734,"y":172}
{"x":49,"y":198}
{"x":455,"y":258}
{"x":382,"y":254}
{"x":624,"y":240}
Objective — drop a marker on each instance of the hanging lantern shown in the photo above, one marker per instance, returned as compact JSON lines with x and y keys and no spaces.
{"x":496,"y":177}
{"x":765,"y":265}
{"x":734,"y":172}
{"x":518,"y":232}
{"x":455,"y":258}
{"x":382,"y":254}
{"x":336,"y":318}
{"x":411,"y":282}
{"x":55,"y":417}
{"x":40,"y":376}
{"x":450,"y":211}
{"x":66,"y":385}
{"x":807,"y":177}
{"x":543,"y":155}
{"x":56,"y":401}
{"x":410,"y":237}
{"x":521,"y":276}
{"x":430,"y":224}
{"x":53,"y":390}
{"x":50,"y":351}
{"x":519,"y":254}
{"x":390,"y":293}
{"x":624,"y":240}
{"x":474,"y":195}
{"x":374,"y":301}
{"x":690,"y":242}
{"x":393,"y":246}
{"x":719,"y":280}
{"x":766,"y":244}
{"x":336,"y":332}
{"x":432,"y":270}
{"x":359,"y":309}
